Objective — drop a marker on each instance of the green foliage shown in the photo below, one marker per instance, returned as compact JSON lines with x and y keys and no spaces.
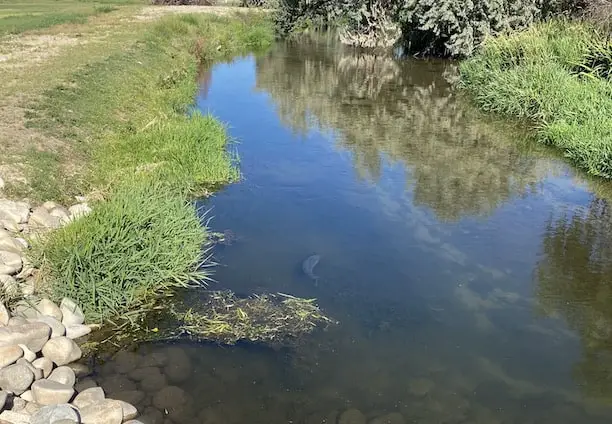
{"x":17,"y":24}
{"x":533,"y":76}
{"x":141,"y":243}
{"x":445,"y":27}
{"x":128,"y":112}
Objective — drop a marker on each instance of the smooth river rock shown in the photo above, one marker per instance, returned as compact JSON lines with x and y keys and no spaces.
{"x":129,"y":410}
{"x":3,"y":398}
{"x":10,"y":262}
{"x":88,"y":397}
{"x":77,"y":330}
{"x":103,"y":412}
{"x":392,"y":418}
{"x":57,"y":328}
{"x":352,"y":416}
{"x":9,"y":355}
{"x":63,"y":375}
{"x":17,"y":212}
{"x":53,"y":414}
{"x":130,"y":396}
{"x":4,"y":315}
{"x":61,"y":350}
{"x":38,"y":374}
{"x":12,"y":417}
{"x":117,"y":383}
{"x":8,"y":285}
{"x":48,"y":392}
{"x":9,"y":244}
{"x":28,"y":355}
{"x":16,"y":378}
{"x":71,"y":312}
{"x":79,"y":210}
{"x":40,"y":218}
{"x":49,"y":308}
{"x":44,"y":364}
{"x":177,"y":404}
{"x":34,"y":335}
{"x":28,"y":396}
{"x":126,"y":362}
{"x":179,"y":367}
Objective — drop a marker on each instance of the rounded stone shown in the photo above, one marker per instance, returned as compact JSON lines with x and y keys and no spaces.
{"x":392,"y":418}
{"x":179,"y":367}
{"x":3,"y":398}
{"x":71,"y":312}
{"x":10,"y":262}
{"x":34,"y":335}
{"x":152,"y":416}
{"x":352,"y":416}
{"x":27,"y":396}
{"x":12,"y":417}
{"x":4,"y":315}
{"x":8,"y":284}
{"x":53,"y":414}
{"x":57,"y":328}
{"x":130,"y":396}
{"x":89,"y":396}
{"x":49,"y":308}
{"x":16,"y":378}
{"x":154,"y":359}
{"x":129,"y":410}
{"x":80,"y":369}
{"x":153,"y":382}
{"x":15,"y":321}
{"x":41,"y":218}
{"x":77,"y":330}
{"x":38,"y":374}
{"x":62,"y":350}
{"x":79,"y":210}
{"x":103,"y":412}
{"x":174,"y":401}
{"x":126,"y":361}
{"x":48,"y":392}
{"x":84,"y":384}
{"x":117,"y":383}
{"x":140,"y":374}
{"x":26,"y":310}
{"x":420,"y":386}
{"x":63,"y":375}
{"x":28,"y":355}
{"x":44,"y":364}
{"x":9,"y":355}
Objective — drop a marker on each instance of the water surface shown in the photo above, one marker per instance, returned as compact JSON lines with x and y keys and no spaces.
{"x":469,"y":270}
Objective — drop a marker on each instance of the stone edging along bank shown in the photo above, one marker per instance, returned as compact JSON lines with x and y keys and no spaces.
{"x":39,"y":375}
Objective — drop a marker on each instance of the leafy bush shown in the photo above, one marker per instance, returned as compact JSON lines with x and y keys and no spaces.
{"x":140,"y":244}
{"x":444,"y":27}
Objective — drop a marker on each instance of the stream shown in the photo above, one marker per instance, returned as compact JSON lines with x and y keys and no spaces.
{"x":469,"y":268}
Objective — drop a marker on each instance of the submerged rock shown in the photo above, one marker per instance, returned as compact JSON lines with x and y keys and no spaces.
{"x":392,"y":418}
{"x":352,"y":416}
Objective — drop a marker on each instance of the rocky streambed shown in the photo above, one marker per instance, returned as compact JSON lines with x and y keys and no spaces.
{"x":41,"y":378}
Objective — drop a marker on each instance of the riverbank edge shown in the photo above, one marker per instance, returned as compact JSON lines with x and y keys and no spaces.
{"x":128,"y":117}
{"x":551,"y":77}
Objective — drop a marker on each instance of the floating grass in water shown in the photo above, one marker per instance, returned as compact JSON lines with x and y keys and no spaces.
{"x":222,"y":317}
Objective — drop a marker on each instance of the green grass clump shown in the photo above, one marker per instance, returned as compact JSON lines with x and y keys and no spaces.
{"x":189,"y":149}
{"x":141,"y":243}
{"x":17,"y":24}
{"x":554,"y":76}
{"x":129,"y":112}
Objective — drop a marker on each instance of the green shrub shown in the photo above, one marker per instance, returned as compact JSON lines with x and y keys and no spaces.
{"x":116,"y":262}
{"x":444,"y":27}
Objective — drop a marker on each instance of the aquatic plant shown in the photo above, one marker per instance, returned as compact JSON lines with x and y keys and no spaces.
{"x":142,"y":243}
{"x":221,"y":316}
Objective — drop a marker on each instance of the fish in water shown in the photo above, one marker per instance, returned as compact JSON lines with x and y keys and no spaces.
{"x":308,"y":266}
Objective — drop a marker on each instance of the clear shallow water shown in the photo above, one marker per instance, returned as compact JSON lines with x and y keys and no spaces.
{"x":469,"y":271}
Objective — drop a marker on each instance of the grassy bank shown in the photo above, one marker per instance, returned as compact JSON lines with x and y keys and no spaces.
{"x":557,"y":78}
{"x":120,"y":125}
